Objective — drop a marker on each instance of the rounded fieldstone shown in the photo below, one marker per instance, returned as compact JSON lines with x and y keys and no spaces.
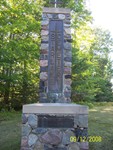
{"x":39,"y":131}
{"x":50,"y":16}
{"x":68,"y":54}
{"x":68,"y":16}
{"x":44,"y":16}
{"x":67,"y":46}
{"x":42,"y":57}
{"x":67,"y":94}
{"x":32,"y":139}
{"x":55,"y":16}
{"x":45,"y":22}
{"x":61,"y":16}
{"x":68,"y":30}
{"x":67,"y":25}
{"x":24,"y":142}
{"x":45,"y":38}
{"x":66,"y":137}
{"x":33,"y":120}
{"x":43,"y":95}
{"x":43,"y":63}
{"x":44,"y":46}
{"x":43,"y":76}
{"x":67,"y":21}
{"x":24,"y":118}
{"x":44,"y":33}
{"x":26,"y":129}
{"x":67,"y":64}
{"x":69,"y":59}
{"x":44,"y":27}
{"x":74,"y":146}
{"x":25,"y":148}
{"x":67,"y":70}
{"x":44,"y":100}
{"x":67,"y":87}
{"x":68,"y":100}
{"x":49,"y":147}
{"x":52,"y":137}
{"x":68,"y":81}
{"x":84,"y":146}
{"x":67,"y":36}
{"x":38,"y":146}
{"x":83,"y":121}
{"x":44,"y":51}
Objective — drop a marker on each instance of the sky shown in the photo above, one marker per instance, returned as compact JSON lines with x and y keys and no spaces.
{"x":102,"y":11}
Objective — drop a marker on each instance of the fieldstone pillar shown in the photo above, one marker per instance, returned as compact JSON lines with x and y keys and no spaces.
{"x":55,"y":56}
{"x":55,"y":123}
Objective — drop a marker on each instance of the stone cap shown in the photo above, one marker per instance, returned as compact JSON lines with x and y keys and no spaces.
{"x":56,"y":10}
{"x":55,"y":108}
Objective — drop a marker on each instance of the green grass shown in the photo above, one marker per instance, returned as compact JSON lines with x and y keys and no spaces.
{"x":100,"y":124}
{"x":10,"y":130}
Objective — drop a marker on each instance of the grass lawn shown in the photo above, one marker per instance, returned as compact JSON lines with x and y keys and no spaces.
{"x":100,"y":124}
{"x":10,"y":130}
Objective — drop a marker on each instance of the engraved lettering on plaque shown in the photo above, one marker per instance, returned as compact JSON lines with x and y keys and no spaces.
{"x":55,"y":69}
{"x":47,"y":121}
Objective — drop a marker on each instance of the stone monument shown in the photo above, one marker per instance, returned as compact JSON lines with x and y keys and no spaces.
{"x":55,"y":123}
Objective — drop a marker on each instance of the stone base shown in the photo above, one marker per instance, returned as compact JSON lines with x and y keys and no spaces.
{"x":54,"y":126}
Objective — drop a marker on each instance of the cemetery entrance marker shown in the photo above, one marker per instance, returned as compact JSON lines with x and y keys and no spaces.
{"x":55,"y":68}
{"x":56,"y":56}
{"x":50,"y":124}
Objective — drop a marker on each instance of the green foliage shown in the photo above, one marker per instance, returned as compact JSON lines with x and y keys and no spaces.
{"x":19,"y":54}
{"x":19,"y":49}
{"x":92,"y":68}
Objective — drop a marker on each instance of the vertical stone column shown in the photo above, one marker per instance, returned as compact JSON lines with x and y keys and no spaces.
{"x":48,"y":15}
{"x":55,"y":126}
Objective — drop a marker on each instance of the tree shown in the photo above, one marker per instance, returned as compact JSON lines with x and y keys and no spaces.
{"x":19,"y":49}
{"x":19,"y":53}
{"x":92,"y":69}
{"x":102,"y":46}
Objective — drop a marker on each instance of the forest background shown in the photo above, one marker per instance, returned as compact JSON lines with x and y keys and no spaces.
{"x":20,"y":29}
